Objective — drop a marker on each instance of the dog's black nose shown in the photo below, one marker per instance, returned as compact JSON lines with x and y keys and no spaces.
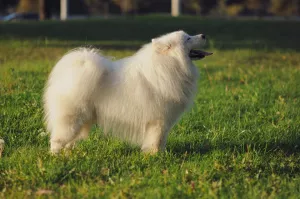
{"x":203,"y":36}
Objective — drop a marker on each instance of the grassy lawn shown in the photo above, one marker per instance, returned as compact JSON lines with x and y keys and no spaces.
{"x":240,"y":140}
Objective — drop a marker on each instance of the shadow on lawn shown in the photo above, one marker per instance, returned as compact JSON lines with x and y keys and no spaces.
{"x":288,"y":148}
{"x":223,"y":34}
{"x":268,"y":157}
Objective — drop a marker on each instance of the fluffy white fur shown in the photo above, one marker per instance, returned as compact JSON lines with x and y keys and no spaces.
{"x":138,"y":98}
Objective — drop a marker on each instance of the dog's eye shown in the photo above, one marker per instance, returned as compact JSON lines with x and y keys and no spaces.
{"x":188,"y":39}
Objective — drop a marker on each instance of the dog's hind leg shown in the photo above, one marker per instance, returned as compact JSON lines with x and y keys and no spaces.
{"x":64,"y":131}
{"x":155,"y":137}
{"x":83,"y":134}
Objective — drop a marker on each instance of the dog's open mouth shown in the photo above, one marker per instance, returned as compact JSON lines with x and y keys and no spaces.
{"x":198,"y":54}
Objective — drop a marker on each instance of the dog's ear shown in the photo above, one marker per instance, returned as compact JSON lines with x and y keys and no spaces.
{"x":161,"y":47}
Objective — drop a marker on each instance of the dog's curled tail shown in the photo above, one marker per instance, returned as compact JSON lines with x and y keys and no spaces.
{"x":72,"y":83}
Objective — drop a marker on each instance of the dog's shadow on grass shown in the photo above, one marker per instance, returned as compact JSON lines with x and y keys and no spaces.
{"x":206,"y":147}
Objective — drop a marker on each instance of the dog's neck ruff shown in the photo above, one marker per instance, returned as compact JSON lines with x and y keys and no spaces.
{"x":171,"y":77}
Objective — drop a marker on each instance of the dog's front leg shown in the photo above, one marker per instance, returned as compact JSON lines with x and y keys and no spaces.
{"x":155,"y":137}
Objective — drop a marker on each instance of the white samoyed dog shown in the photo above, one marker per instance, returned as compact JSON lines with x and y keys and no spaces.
{"x":137,"y":98}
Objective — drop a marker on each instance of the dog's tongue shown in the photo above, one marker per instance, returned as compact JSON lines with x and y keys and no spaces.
{"x":199,"y":54}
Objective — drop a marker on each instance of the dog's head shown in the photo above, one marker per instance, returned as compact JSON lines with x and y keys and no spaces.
{"x":180,"y":43}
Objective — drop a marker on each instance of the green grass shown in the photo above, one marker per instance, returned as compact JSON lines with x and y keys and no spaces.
{"x":240,"y":140}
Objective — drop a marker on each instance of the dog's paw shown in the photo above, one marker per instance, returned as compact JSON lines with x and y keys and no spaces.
{"x":1,"y":147}
{"x":55,"y":148}
{"x":150,"y":151}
